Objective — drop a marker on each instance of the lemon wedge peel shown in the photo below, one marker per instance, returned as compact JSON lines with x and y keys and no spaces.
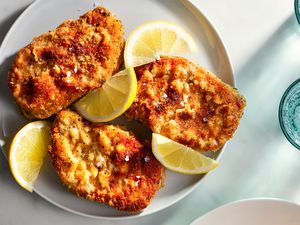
{"x":27,"y":152}
{"x":180,"y":158}
{"x":111,"y":100}
{"x":151,"y":40}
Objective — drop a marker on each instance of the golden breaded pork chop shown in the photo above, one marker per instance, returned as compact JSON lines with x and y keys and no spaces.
{"x":182,"y":101}
{"x":104,"y":163}
{"x":62,"y":65}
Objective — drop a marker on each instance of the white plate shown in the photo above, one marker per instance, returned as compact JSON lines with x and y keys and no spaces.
{"x":253,"y":212}
{"x":44,"y":15}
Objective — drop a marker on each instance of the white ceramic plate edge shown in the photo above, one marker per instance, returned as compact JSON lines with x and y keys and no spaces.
{"x":190,"y":5}
{"x":197,"y":13}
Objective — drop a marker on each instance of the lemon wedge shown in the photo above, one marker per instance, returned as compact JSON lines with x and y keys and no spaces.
{"x":179,"y":158}
{"x":27,"y":152}
{"x":111,"y":100}
{"x":152,"y":40}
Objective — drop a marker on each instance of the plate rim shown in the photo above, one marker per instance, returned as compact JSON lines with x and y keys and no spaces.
{"x":189,"y":5}
{"x":245,"y":201}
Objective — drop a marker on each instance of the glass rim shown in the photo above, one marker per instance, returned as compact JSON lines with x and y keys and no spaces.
{"x":282,"y":101}
{"x":297,"y":10}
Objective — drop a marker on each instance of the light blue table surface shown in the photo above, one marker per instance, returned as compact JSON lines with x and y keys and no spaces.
{"x":263,"y":41}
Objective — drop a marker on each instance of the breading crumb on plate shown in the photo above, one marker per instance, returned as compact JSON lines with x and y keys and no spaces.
{"x":186,"y":103}
{"x":62,"y":65}
{"x":104,"y":163}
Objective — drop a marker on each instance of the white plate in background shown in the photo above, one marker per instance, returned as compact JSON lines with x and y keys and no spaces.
{"x":253,"y":212}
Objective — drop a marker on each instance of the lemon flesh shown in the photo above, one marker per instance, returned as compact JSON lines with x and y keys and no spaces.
{"x":152,"y":40}
{"x":27,"y":152}
{"x":111,"y":100}
{"x":179,"y":158}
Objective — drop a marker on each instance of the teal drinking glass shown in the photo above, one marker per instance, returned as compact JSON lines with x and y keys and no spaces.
{"x":289,"y":113}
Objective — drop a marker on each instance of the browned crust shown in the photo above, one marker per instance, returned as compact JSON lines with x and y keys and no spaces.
{"x":186,"y":103}
{"x":129,"y":174}
{"x":62,"y":65}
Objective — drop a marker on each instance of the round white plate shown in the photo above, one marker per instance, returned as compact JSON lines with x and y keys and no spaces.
{"x":253,"y":211}
{"x":45,"y":15}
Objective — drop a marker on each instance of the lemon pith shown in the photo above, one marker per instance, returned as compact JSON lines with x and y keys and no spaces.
{"x":180,"y":158}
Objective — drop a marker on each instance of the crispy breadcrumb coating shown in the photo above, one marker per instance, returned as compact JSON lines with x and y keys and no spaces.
{"x":184,"y":102}
{"x":104,"y":163}
{"x":62,"y":65}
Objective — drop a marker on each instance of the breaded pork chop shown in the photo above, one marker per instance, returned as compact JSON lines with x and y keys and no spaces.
{"x":104,"y":163}
{"x":62,"y":65}
{"x":182,"y":101}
